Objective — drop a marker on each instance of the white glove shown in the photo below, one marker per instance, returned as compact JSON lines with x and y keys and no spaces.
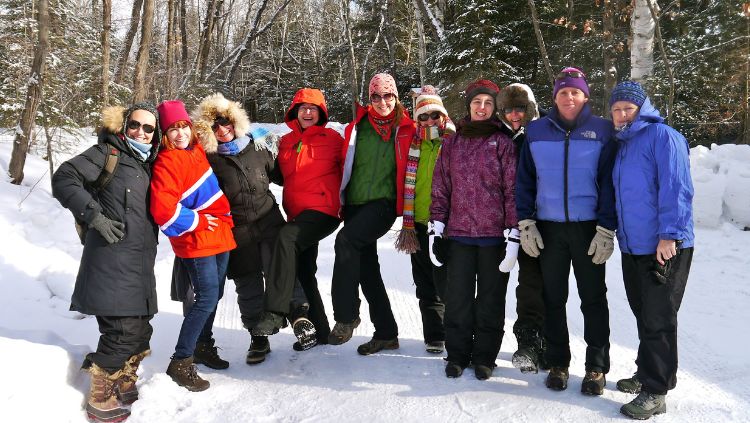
{"x":511,"y":251}
{"x":435,"y":230}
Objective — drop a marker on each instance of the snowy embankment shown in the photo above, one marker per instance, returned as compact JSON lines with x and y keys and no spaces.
{"x":43,"y":343}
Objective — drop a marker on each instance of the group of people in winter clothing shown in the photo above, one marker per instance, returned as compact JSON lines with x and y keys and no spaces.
{"x":506,"y":183}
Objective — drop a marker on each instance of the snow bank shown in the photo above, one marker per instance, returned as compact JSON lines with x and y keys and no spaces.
{"x":721,"y":176}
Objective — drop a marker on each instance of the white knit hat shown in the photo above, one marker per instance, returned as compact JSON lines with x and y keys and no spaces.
{"x":428,"y":101}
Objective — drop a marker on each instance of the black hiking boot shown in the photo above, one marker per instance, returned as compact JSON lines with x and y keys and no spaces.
{"x":434,"y":347}
{"x":184,"y":373}
{"x":207,"y":354}
{"x":530,"y":350}
{"x":557,"y":379}
{"x":629,"y":385}
{"x":374,"y":345}
{"x":645,"y":405}
{"x":453,"y":370}
{"x":482,"y":372}
{"x":593,"y":383}
{"x":304,"y":330}
{"x":259,"y":347}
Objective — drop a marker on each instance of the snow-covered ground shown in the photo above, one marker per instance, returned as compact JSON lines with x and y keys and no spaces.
{"x":43,"y":344}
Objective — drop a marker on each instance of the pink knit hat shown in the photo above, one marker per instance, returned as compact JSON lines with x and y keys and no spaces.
{"x":383,"y":83}
{"x":172,"y":111}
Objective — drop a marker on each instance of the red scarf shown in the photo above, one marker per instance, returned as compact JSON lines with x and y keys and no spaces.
{"x":383,"y":124}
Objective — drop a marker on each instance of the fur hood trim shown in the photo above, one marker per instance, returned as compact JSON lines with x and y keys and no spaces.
{"x":208,"y":110}
{"x":113,"y":119}
{"x":518,"y":95}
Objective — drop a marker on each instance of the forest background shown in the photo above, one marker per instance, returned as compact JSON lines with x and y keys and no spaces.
{"x":62,"y":60}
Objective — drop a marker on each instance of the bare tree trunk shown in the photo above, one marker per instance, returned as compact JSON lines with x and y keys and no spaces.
{"x":642,"y":47}
{"x":389,"y":33}
{"x":746,"y":128}
{"x":33,"y":97}
{"x":204,"y":44}
{"x":610,"y":70}
{"x":653,"y":9}
{"x":183,"y":35}
{"x":352,"y":58}
{"x":50,"y":159}
{"x":106,"y":27}
{"x":135,"y":17}
{"x":540,"y":42}
{"x":435,"y":25}
{"x":141,"y":63}
{"x":171,"y":35}
{"x":421,"y":43}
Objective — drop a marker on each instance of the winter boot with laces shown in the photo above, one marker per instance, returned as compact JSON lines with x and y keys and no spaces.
{"x":184,"y":373}
{"x":207,"y":354}
{"x":342,"y":332}
{"x":304,"y":330}
{"x":629,"y":385}
{"x":269,"y":324}
{"x":557,"y":379}
{"x":593,"y":383}
{"x":125,"y":387}
{"x":374,"y":345}
{"x":102,"y":404}
{"x":529,"y":352}
{"x":259,"y":347}
{"x":645,"y":405}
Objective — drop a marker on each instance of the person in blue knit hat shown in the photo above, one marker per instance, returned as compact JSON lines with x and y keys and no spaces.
{"x":655,"y":233}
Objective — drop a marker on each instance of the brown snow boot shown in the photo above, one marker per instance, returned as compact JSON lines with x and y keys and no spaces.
{"x":102,"y":404}
{"x":125,"y":388}
{"x":184,"y":373}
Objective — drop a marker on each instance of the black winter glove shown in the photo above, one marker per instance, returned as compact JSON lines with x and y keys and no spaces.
{"x":111,"y":230}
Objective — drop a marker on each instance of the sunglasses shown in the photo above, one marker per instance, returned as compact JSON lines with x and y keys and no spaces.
{"x":572,"y":74}
{"x":134,"y":124}
{"x":220,"y":121}
{"x":375,"y":98}
{"x":424,"y":116}
{"x":518,"y":109}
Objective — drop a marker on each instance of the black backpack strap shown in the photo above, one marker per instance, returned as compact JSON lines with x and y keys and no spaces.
{"x":108,"y":171}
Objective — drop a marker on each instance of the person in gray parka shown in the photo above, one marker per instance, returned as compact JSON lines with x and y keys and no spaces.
{"x":115,"y":279}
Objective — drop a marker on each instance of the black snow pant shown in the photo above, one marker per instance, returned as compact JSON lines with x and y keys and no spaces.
{"x":529,"y":294}
{"x":255,"y":257}
{"x":430,"y":283}
{"x":294,"y":256}
{"x":655,"y":302}
{"x":474,"y":323}
{"x":357,"y":264}
{"x":566,"y":243}
{"x":121,"y":337}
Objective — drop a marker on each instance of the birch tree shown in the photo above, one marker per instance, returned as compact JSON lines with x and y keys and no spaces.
{"x":106,"y":27}
{"x":643,"y":28}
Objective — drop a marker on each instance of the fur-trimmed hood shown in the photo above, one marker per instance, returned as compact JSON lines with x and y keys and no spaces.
{"x":113,"y":119}
{"x":113,"y":127}
{"x":208,"y":110}
{"x":517,"y":95}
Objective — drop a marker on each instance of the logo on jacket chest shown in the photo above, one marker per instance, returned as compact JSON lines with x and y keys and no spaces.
{"x":589,"y":134}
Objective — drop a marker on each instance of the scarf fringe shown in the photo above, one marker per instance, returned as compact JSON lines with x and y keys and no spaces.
{"x":406,"y":241}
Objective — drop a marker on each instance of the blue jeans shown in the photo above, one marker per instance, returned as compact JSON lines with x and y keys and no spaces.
{"x":207,"y":275}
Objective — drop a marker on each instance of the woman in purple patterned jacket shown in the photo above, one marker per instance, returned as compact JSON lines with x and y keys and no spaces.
{"x":473,"y":202}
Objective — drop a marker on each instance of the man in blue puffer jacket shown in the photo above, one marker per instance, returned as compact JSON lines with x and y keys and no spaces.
{"x":564,"y":196}
{"x":654,"y":194}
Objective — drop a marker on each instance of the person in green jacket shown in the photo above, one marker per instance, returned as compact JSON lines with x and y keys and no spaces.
{"x":433,"y":124}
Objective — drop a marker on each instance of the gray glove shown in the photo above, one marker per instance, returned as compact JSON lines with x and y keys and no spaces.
{"x":111,"y":230}
{"x":531,"y":239}
{"x":602,"y":245}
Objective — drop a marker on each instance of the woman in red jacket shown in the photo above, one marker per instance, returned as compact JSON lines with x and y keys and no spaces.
{"x":191,"y":209}
{"x":310,"y":160}
{"x":372,"y":192}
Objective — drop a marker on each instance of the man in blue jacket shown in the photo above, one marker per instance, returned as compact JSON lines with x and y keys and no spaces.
{"x":654,"y":194}
{"x":566,"y":213}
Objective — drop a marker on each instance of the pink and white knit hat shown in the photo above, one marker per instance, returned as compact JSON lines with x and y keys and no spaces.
{"x":383,"y":83}
{"x":429,"y":101}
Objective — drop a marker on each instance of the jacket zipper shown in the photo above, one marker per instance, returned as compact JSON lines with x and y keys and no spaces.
{"x":621,"y":230}
{"x":565,"y":175}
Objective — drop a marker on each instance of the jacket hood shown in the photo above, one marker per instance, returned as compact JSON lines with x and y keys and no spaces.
{"x":208,"y":110}
{"x":308,"y":95}
{"x":113,"y":130}
{"x":647,"y":115}
{"x":518,"y":95}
